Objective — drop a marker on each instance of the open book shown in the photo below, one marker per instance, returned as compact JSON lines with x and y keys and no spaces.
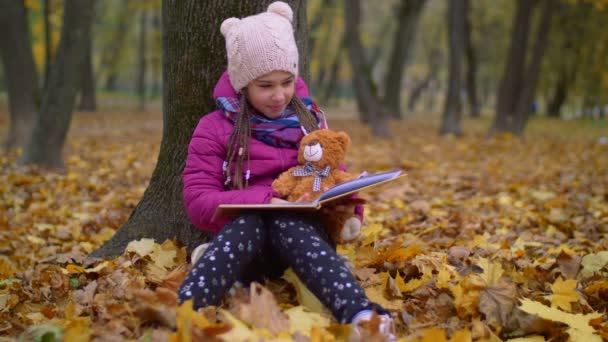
{"x":363,"y":182}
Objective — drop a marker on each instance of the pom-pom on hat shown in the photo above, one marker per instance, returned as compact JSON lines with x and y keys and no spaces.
{"x":259,"y":44}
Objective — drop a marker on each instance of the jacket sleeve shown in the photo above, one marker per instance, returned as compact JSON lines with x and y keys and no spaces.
{"x":204,"y":182}
{"x":359,"y":211}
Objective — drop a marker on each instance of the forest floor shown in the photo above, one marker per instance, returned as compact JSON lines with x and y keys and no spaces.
{"x":486,"y":239}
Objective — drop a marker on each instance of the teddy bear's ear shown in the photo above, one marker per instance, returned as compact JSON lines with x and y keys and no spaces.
{"x":344,"y":140}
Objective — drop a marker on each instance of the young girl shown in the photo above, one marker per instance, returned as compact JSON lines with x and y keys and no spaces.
{"x":235,"y":154}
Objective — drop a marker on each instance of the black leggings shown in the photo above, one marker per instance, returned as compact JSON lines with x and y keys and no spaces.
{"x":258,"y":245}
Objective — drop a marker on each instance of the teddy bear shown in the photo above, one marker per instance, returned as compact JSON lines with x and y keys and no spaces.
{"x":319,"y":155}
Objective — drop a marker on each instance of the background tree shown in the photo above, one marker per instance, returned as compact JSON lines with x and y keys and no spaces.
{"x":193,"y":60}
{"x":407,"y":16}
{"x":19,"y":70}
{"x":450,"y":121}
{"x":88,"y":101}
{"x":370,"y":107}
{"x":518,"y":85}
{"x":48,"y":136}
{"x":141,"y":59}
{"x":471,"y":63}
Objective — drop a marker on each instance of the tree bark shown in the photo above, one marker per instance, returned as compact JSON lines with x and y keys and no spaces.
{"x":450,"y":122}
{"x":194,"y":57}
{"x":370,"y":108}
{"x":48,"y":53}
{"x":141,"y":61}
{"x":20,"y":72}
{"x":48,"y":137}
{"x":88,"y":102}
{"x":471,"y":58}
{"x":558,"y":98}
{"x":532,"y":72}
{"x":329,"y":89}
{"x":511,"y":83}
{"x":407,"y":19}
{"x":110,"y":61}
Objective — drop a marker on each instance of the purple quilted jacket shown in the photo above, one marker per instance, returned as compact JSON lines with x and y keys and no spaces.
{"x":203,"y":180}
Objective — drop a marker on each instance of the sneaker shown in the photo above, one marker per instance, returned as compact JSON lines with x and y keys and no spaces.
{"x":368,"y":323}
{"x":198,"y":252}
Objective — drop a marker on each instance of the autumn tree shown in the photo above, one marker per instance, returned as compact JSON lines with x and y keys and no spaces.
{"x":48,"y":136}
{"x":407,"y":15}
{"x":518,"y":83}
{"x":88,"y":100}
{"x":193,"y":60}
{"x":19,"y":70}
{"x":450,"y":121}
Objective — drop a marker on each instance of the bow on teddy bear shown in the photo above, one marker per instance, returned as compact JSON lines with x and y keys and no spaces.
{"x":320,"y":154}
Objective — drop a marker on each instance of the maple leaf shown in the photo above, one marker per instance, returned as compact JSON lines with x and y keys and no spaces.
{"x":496,"y":302}
{"x":304,"y":296}
{"x":593,"y":263}
{"x":262,"y":311}
{"x":579,"y":328}
{"x":302,"y":320}
{"x":564,"y":293}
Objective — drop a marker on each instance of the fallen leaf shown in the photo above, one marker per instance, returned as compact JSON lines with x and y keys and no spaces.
{"x":262,"y":311}
{"x":564,"y":293}
{"x":579,"y":330}
{"x":593,"y":263}
{"x":304,"y":296}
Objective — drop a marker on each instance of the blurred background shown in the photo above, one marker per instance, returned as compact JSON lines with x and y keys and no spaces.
{"x":500,"y":62}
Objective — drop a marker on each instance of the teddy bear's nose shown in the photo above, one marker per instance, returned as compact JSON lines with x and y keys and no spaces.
{"x":312,"y":143}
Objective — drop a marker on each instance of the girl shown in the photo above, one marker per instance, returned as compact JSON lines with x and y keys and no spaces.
{"x":235,"y":154}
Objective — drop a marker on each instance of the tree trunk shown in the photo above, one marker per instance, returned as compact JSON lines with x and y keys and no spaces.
{"x":141,"y":61}
{"x":511,"y":83}
{"x":450,"y":122}
{"x":155,"y":60}
{"x":194,"y":57}
{"x":48,"y":137}
{"x":88,"y":102}
{"x":370,"y":107}
{"x":407,"y":19}
{"x":19,"y":71}
{"x":532,"y":72}
{"x":48,"y":53}
{"x":559,"y":97}
{"x":471,"y":58}
{"x":330,"y":87}
{"x":110,"y":61}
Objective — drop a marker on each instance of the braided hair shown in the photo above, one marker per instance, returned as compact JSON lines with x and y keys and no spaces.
{"x":238,"y":144}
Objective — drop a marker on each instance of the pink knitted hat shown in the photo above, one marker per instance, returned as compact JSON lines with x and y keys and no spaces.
{"x":259,"y":44}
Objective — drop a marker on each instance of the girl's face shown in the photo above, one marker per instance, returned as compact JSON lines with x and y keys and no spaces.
{"x":271,"y":93}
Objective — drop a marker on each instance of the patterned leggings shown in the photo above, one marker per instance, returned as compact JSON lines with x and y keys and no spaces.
{"x":257,"y":245}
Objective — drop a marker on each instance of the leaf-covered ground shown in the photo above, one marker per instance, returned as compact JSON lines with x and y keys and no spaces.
{"x":485,"y":240}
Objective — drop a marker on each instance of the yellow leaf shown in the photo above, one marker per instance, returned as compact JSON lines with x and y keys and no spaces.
{"x":164,"y":256}
{"x":186,"y":318}
{"x":71,"y":268}
{"x":492,"y":271}
{"x":579,"y":330}
{"x":593,"y":263}
{"x":402,"y":254}
{"x":564,"y":292}
{"x":303,"y":320}
{"x":141,"y":247}
{"x":434,"y":335}
{"x":533,"y":338}
{"x":305,"y":297}
{"x":443,"y":278}
{"x":414,"y":284}
{"x":76,"y":329}
{"x":239,"y":331}
{"x":376,"y":294}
